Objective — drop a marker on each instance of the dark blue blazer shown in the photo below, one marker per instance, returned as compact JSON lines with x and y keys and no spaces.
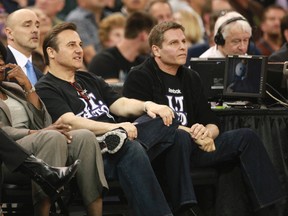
{"x":11,"y":59}
{"x":280,"y":55}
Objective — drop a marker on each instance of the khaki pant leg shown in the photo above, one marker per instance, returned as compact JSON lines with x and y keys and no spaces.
{"x":90,"y":175}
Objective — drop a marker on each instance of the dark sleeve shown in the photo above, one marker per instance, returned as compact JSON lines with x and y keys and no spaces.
{"x":104,"y":65}
{"x":108,"y":93}
{"x":202,"y":112}
{"x":54,"y":101}
{"x":138,"y":85}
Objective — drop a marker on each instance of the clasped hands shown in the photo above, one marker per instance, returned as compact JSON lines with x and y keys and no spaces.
{"x":60,"y":127}
{"x":201,"y":136}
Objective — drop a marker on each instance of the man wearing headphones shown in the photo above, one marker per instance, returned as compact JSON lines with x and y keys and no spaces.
{"x":232,"y":33}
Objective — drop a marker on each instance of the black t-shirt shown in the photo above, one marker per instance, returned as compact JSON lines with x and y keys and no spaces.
{"x":174,"y":94}
{"x":146,"y":82}
{"x":110,"y":63}
{"x":92,"y":99}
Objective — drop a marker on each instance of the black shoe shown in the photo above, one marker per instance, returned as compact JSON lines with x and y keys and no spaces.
{"x":51,"y":179}
{"x":112,"y":141}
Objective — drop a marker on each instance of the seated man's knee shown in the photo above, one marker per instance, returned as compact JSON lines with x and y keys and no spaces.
{"x":245,"y":134}
{"x":133,"y":148}
{"x":54,"y":138}
{"x":83,"y":134}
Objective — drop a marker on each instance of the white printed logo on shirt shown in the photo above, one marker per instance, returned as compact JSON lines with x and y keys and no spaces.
{"x":176,"y":103}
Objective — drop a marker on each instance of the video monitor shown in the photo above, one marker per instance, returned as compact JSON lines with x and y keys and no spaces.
{"x":245,"y":76}
{"x":211,"y":72}
{"x":277,"y":78}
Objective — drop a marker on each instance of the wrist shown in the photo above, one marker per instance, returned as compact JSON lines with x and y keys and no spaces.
{"x":145,"y":106}
{"x":29,"y":91}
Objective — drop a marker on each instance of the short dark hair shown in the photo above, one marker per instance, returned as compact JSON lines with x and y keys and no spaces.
{"x":51,"y":38}
{"x":138,"y":22}
{"x":156,"y":36}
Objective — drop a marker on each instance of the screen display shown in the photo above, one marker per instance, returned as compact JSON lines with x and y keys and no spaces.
{"x":276,"y":79}
{"x":245,"y":76}
{"x":211,"y":72}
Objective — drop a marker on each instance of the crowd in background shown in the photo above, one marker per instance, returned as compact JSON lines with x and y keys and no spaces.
{"x":101,"y":23}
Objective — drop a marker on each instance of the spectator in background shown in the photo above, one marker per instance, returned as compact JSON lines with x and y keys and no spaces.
{"x":23,"y":35}
{"x":114,"y":63}
{"x":281,"y":55}
{"x":51,"y":8}
{"x":111,"y":30}
{"x":271,"y":39}
{"x":161,"y":10}
{"x":193,"y":32}
{"x":232,"y":34}
{"x":130,"y":6}
{"x":87,"y":17}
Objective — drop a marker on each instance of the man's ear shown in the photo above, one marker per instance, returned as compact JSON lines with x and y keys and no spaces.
{"x":155,"y":50}
{"x":50,"y":51}
{"x":8,"y":33}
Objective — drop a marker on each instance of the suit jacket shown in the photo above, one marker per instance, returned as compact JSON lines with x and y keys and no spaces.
{"x":280,"y":55}
{"x":11,"y":59}
{"x":38,"y":119}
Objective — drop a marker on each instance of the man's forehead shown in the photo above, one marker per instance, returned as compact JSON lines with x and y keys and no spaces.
{"x":173,"y":33}
{"x":68,"y":35}
{"x":26,"y":17}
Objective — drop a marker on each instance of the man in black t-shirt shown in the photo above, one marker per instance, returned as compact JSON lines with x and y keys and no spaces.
{"x":113,"y":64}
{"x":84,"y":100}
{"x":164,"y":80}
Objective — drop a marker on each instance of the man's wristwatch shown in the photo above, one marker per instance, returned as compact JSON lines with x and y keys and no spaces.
{"x":29,"y":91}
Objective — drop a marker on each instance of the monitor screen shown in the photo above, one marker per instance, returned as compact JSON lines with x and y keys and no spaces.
{"x":277,"y":74}
{"x":211,"y":72}
{"x":245,"y":76}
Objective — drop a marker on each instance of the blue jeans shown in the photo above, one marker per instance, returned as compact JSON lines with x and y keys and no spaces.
{"x":259,"y":174}
{"x":165,"y":146}
{"x":131,"y":166}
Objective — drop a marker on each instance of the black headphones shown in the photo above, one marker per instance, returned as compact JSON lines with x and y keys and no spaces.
{"x":218,"y":38}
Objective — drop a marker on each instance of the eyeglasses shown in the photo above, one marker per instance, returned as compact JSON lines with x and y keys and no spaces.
{"x":81,"y":91}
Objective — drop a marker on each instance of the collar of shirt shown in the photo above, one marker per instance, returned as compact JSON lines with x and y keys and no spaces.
{"x":21,"y":59}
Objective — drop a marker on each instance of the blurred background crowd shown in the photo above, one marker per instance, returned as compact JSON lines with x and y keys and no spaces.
{"x":101,"y":23}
